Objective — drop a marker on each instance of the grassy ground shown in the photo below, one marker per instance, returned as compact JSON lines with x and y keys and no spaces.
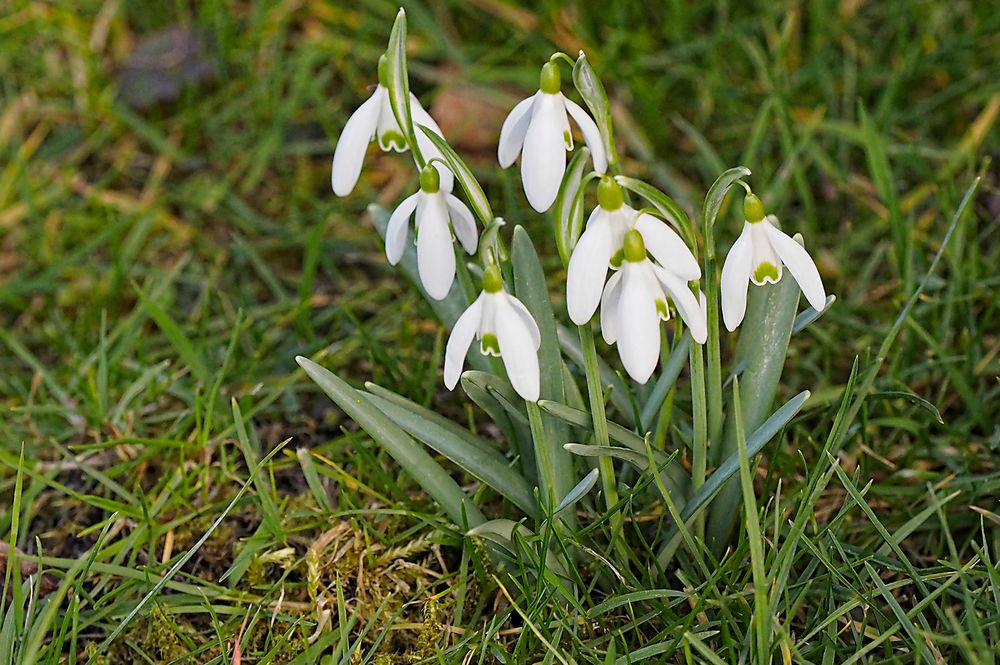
{"x":160,"y":268}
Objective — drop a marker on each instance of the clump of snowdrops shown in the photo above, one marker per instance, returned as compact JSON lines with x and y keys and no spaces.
{"x":639,"y":271}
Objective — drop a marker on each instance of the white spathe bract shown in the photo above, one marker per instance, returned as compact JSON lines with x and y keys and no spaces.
{"x":538,"y":129}
{"x":374,"y":119}
{"x":760,"y":255}
{"x":437,"y":214}
{"x":504,"y":328}
{"x":602,"y":240}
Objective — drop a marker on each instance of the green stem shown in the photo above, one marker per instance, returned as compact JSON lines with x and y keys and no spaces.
{"x":699,"y":453}
{"x":714,"y":353}
{"x":595,"y":389}
{"x":543,"y":458}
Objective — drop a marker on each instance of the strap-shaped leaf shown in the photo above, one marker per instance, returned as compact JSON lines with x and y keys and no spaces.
{"x":808,"y":315}
{"x":673,"y":476}
{"x":531,"y":289}
{"x":477,"y":199}
{"x":578,"y":492}
{"x":665,"y":205}
{"x":668,"y":376}
{"x":506,"y":533}
{"x":486,"y":389}
{"x":410,"y":455}
{"x":476,"y":457}
{"x":582,"y":419}
{"x":755,"y":443}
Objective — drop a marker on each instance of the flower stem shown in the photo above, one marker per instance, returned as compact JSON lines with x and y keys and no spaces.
{"x":543,"y":458}
{"x":699,"y":461}
{"x":595,"y":389}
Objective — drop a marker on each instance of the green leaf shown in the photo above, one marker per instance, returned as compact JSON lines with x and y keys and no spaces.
{"x":755,"y":443}
{"x":668,"y":376}
{"x":477,"y":199}
{"x":808,"y":315}
{"x":666,"y":206}
{"x":672,"y":475}
{"x":465,"y":449}
{"x":531,"y":289}
{"x":594,"y":96}
{"x":494,"y":395}
{"x":578,"y":492}
{"x":514,"y":536}
{"x":408,"y":453}
{"x":568,"y":207}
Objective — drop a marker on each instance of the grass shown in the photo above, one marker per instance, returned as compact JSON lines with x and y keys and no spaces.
{"x":172,"y":484}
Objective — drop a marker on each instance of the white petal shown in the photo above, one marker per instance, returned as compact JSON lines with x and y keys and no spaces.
{"x":352,"y":144}
{"x":667,"y":247}
{"x":638,"y":325}
{"x":513,"y":131}
{"x":735,"y":279}
{"x":435,"y":253}
{"x":427,"y":148}
{"x":588,"y":268}
{"x":543,"y":158}
{"x":463,"y":223}
{"x":529,"y":320}
{"x":609,"y":308}
{"x":591,"y":135}
{"x":459,"y":341}
{"x":763,"y":253}
{"x":396,"y":231}
{"x":519,"y":357}
{"x":800,"y":264}
{"x":686,"y":303}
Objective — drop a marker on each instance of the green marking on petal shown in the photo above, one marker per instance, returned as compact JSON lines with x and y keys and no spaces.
{"x":568,"y":140}
{"x":662,"y":309}
{"x":617,"y":258}
{"x":766,"y":272}
{"x":489,"y":345}
{"x":392,"y":140}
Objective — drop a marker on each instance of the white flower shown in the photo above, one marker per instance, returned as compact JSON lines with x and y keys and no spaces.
{"x":374,"y":119}
{"x":599,"y":247}
{"x":437,"y":213}
{"x":758,"y":256}
{"x":538,"y":129}
{"x":504,"y":328}
{"x":634,"y":303}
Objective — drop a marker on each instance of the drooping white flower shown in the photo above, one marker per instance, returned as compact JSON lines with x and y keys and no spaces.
{"x":538,"y":129}
{"x":374,"y":120}
{"x":438,"y":212}
{"x":636,"y":300}
{"x":504,"y":328}
{"x":759,"y":255}
{"x":600,"y":246}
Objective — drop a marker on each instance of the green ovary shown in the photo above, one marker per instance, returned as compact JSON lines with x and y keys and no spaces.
{"x":766,"y":271}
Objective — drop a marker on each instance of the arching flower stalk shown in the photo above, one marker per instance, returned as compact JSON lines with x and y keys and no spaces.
{"x":438,"y":213}
{"x":504,"y":328}
{"x":538,"y":129}
{"x":372,"y":120}
{"x":760,"y":255}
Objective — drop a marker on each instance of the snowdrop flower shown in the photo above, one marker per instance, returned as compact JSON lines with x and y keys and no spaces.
{"x":504,"y":328}
{"x":634,"y":303}
{"x":600,"y":247}
{"x":758,"y":256}
{"x":538,"y":129}
{"x":374,"y":120}
{"x":437,"y":213}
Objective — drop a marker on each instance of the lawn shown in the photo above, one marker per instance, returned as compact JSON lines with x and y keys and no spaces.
{"x":173,"y":486}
